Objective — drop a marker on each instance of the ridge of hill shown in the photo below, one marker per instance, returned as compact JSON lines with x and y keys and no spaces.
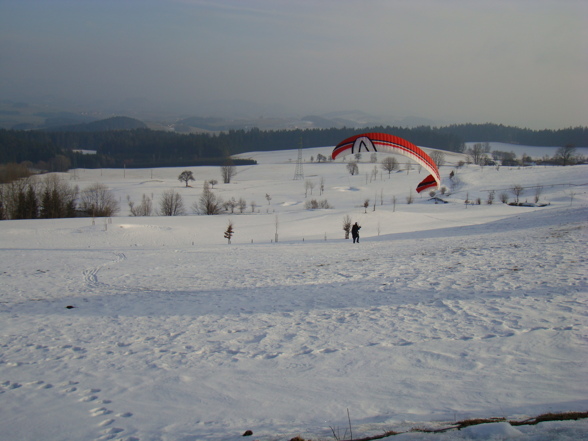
{"x":108,"y":124}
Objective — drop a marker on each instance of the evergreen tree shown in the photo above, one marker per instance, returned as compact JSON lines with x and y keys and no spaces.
{"x":31,"y":203}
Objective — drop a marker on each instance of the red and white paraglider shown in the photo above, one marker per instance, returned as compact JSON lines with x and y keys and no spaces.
{"x":382,"y":142}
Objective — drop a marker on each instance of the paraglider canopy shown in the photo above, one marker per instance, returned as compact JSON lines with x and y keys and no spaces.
{"x":383,"y":142}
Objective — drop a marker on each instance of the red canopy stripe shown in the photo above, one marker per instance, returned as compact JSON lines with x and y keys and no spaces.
{"x":392,"y":143}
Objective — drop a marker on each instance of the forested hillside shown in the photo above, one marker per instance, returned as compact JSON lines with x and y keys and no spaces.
{"x":577,"y":136}
{"x":142,"y":147}
{"x":151,"y":148}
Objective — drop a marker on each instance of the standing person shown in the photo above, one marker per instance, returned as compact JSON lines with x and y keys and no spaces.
{"x":355,"y":232}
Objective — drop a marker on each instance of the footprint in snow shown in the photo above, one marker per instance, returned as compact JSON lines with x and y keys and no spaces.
{"x":9,"y":385}
{"x":88,"y":395}
{"x":109,"y":432}
{"x":100,"y":411}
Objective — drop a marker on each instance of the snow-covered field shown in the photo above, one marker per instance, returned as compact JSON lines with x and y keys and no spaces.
{"x":442,"y":312}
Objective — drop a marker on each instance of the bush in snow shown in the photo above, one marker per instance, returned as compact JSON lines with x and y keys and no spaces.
{"x":352,"y":168}
{"x":490,"y":197}
{"x":410,"y":198}
{"x":171,"y":204}
{"x":145,"y":208}
{"x":315,"y":205}
{"x":518,"y":191}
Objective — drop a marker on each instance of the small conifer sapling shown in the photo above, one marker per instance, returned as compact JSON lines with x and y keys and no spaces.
{"x":229,"y":232}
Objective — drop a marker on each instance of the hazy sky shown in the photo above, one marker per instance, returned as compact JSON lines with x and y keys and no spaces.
{"x":517,"y":62}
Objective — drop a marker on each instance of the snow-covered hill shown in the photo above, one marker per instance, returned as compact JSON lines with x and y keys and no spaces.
{"x":154,"y":328}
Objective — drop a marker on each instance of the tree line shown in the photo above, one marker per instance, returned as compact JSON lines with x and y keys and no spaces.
{"x":138,"y":148}
{"x":576,"y":136}
{"x":53,"y":197}
{"x":144,"y":148}
{"x":266,"y":140}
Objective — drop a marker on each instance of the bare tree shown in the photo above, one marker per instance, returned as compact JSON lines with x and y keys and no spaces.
{"x":208,"y":203}
{"x":242,"y":204}
{"x":455,"y":183}
{"x":374,"y":174}
{"x":145,"y":208}
{"x":230,"y":205}
{"x":347,"y":225}
{"x":228,"y":171}
{"x":12,"y":195}
{"x":476,"y":152}
{"x":98,"y":201}
{"x":438,"y":157}
{"x":352,"y":168}
{"x":12,"y":172}
{"x":517,"y":191}
{"x":19,"y":199}
{"x":565,"y":155}
{"x":171,"y":204}
{"x":186,"y":176}
{"x":366,"y":204}
{"x":410,"y":198}
{"x":490,"y":199}
{"x":308,"y":185}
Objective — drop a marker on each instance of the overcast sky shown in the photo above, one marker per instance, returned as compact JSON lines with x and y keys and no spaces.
{"x":517,"y":62}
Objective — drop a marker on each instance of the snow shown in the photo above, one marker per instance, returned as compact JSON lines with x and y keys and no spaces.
{"x":443,"y":312}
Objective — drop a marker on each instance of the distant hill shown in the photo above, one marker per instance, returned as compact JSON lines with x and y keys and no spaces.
{"x":23,"y":116}
{"x":103,"y":125}
{"x":333,"y":120}
{"x":202,"y":124}
{"x":218,"y":124}
{"x":319,"y":122}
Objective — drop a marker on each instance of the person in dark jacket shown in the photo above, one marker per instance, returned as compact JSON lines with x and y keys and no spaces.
{"x":355,"y":232}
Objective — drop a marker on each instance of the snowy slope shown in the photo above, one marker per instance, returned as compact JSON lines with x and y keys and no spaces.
{"x":443,"y":312}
